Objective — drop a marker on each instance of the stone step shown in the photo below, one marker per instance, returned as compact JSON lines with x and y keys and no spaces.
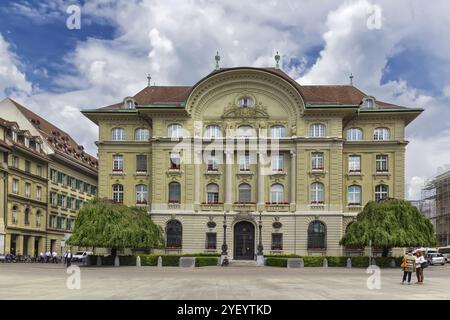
{"x":242,"y":263}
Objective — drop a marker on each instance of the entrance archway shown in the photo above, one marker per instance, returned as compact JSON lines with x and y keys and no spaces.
{"x":244,"y":241}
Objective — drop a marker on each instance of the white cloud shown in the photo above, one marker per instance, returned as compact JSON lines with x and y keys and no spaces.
{"x":176,"y":41}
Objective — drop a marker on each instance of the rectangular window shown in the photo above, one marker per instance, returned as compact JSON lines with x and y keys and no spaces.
{"x":27,"y":166}
{"x":27,"y":190}
{"x":15,"y":186}
{"x":52,"y":222}
{"x":354,"y":163}
{"x":15,"y":162}
{"x":39,"y":171}
{"x":277,"y":162}
{"x":141,"y":163}
{"x":212,"y":162}
{"x":53,"y":199}
{"x":93,"y":190}
{"x":78,"y":204}
{"x":61,"y":177}
{"x":211,"y":240}
{"x":87,"y":187}
{"x":60,"y":200}
{"x":78,"y":185}
{"x":277,"y":241}
{"x":382,"y":163}
{"x":244,"y":162}
{"x":69,"y":224}
{"x":54,"y":175}
{"x":118,"y":163}
{"x":60,"y":222}
{"x":38,"y":193}
{"x":317,"y":161}
{"x":174,"y":161}
{"x":69,"y":203}
{"x":64,"y":201}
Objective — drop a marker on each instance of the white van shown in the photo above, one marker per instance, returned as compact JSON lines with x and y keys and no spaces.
{"x":445,"y":252}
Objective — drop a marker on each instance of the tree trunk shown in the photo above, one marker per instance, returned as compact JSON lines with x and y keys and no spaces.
{"x":385,"y":251}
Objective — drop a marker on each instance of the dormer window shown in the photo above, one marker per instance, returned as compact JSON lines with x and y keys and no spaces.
{"x":38,"y":147}
{"x":14,"y":136}
{"x":27,"y":142}
{"x":245,"y":102}
{"x":130,"y":104}
{"x":369,"y":103}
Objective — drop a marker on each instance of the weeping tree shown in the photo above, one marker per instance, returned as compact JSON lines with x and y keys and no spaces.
{"x":390,"y":223}
{"x":104,"y":224}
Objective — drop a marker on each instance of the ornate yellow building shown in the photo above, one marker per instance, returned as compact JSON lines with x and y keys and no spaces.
{"x":67,"y":180}
{"x":251,"y":151}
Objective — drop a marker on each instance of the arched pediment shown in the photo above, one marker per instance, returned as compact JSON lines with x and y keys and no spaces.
{"x":217,"y":96}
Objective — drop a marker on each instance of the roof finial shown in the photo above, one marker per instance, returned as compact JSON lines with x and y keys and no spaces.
{"x":351,"y":79}
{"x":217,"y":58}
{"x":149,"y":78}
{"x":277,"y":60}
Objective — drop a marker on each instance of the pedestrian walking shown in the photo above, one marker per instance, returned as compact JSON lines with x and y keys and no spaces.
{"x":420,"y":265}
{"x":65,"y":257}
{"x":48,"y":255}
{"x":69,"y":259}
{"x":408,"y":266}
{"x":54,"y":257}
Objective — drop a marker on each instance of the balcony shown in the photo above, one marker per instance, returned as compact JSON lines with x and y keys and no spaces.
{"x":173,"y":205}
{"x":244,"y":206}
{"x":215,"y":206}
{"x":317,"y":205}
{"x":354,"y":207}
{"x":277,"y":206}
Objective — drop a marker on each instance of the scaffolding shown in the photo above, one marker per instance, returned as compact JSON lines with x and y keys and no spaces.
{"x":442,"y":187}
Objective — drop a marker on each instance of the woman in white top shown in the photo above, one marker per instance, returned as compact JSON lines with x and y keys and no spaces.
{"x":419,"y":269}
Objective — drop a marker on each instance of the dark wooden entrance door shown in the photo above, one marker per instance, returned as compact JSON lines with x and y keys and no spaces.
{"x":244,"y":241}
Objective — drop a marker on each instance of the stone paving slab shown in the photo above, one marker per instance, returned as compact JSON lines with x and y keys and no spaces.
{"x":45,"y":281}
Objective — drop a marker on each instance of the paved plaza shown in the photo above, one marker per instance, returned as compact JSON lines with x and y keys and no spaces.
{"x":46,"y":281}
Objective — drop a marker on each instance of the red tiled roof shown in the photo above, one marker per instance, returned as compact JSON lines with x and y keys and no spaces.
{"x":314,"y":94}
{"x":58,"y":139}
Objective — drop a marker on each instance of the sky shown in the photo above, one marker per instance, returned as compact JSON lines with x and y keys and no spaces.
{"x":398,"y":51}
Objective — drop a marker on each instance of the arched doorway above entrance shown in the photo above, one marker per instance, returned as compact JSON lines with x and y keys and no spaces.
{"x":244,"y":241}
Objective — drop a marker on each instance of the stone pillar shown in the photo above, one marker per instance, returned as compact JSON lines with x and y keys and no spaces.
{"x":260,"y":177}
{"x":19,"y":245}
{"x":228,"y":179}
{"x":30,"y":245}
{"x":293,"y":180}
{"x":197,"y":166}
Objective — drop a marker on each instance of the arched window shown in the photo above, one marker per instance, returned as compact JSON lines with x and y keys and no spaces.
{"x":213,"y":131}
{"x":381,"y":134}
{"x":381,"y":192}
{"x":14,"y":214}
{"x":141,"y":194}
{"x":277,"y":131}
{"x":245,"y":193}
{"x":38,"y":218}
{"x":354,"y":134}
{"x":317,"y":235}
{"x":117,"y":192}
{"x":174,"y":234}
{"x":317,"y":195}
{"x":118,"y":134}
{"x":354,"y":195}
{"x":130,"y":104}
{"x":317,"y":130}
{"x":27,"y":216}
{"x":212,"y":193}
{"x":141,"y":134}
{"x":245,"y":132}
{"x":245,"y":102}
{"x":174,"y":130}
{"x":277,"y":193}
{"x":174,"y":192}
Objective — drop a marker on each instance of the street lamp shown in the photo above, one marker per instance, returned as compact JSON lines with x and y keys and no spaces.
{"x":260,"y":245}
{"x":224,"y":245}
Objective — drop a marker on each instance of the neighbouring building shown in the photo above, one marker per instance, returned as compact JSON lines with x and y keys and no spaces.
{"x":25,"y":190}
{"x":194,"y":157}
{"x":442,"y":185}
{"x":5,"y":149}
{"x":70,"y":177}
{"x":427,"y":202}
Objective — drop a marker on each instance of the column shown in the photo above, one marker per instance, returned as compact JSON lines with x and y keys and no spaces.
{"x":197,"y":192}
{"x":19,"y":245}
{"x":261,"y":189}
{"x":293,"y":180}
{"x":228,"y":178}
{"x":30,"y":245}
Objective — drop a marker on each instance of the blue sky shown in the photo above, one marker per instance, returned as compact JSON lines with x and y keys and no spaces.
{"x":405,"y":59}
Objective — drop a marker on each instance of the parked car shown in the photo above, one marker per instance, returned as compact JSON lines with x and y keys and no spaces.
{"x":436,"y":258}
{"x":80,"y":256}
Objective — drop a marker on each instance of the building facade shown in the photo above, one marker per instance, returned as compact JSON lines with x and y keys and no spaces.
{"x":249,"y":157}
{"x":70,"y":176}
{"x":442,"y":185}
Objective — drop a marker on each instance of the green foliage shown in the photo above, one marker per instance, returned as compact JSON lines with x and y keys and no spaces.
{"x":311,"y":261}
{"x":101,"y":223}
{"x":206,"y":261}
{"x":391,"y":223}
{"x":337,"y":261}
{"x":276,"y":262}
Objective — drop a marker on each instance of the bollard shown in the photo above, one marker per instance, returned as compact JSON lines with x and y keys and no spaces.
{"x":99,"y":261}
{"x":302,"y":263}
{"x":325,"y":263}
{"x":116,"y":261}
{"x":349,"y":263}
{"x":159,"y":265}
{"x":393,"y":265}
{"x":373,"y":262}
{"x":138,"y":261}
